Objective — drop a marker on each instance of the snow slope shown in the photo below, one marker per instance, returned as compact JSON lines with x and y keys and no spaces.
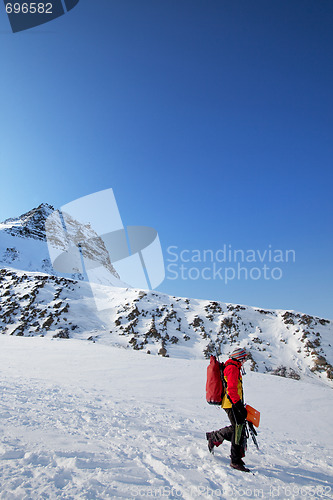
{"x":279,"y":342}
{"x":37,"y":300}
{"x":82,"y":420}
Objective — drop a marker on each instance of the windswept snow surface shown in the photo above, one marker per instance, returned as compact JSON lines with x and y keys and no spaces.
{"x":80,"y":420}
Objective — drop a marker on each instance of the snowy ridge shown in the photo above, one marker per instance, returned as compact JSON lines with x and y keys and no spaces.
{"x":285,"y":343}
{"x":37,"y":301}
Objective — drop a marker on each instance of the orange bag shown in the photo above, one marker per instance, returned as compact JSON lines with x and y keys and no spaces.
{"x":253,"y":415}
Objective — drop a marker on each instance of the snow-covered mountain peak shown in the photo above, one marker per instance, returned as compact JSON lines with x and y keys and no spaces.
{"x":30,"y":224}
{"x":23,"y":242}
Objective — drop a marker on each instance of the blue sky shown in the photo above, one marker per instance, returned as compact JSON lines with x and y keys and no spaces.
{"x":211,"y":120}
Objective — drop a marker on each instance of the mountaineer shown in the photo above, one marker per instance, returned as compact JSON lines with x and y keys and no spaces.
{"x":233,"y":404}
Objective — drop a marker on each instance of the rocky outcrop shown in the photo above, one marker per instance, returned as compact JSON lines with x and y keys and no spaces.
{"x":283,"y":343}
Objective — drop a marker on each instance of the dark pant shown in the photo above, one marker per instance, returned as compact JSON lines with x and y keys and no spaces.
{"x":228,"y":433}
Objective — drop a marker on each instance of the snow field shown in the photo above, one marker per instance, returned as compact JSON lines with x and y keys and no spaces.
{"x":87,"y":421}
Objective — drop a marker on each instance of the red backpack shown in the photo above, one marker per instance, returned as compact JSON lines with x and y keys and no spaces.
{"x":214,"y":384}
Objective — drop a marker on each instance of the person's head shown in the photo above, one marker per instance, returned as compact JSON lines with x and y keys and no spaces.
{"x":239,"y":354}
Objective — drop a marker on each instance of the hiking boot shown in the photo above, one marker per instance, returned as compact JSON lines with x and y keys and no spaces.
{"x":239,"y":466}
{"x":211,"y":442}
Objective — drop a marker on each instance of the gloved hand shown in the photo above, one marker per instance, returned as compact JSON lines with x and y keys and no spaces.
{"x":240,"y":412}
